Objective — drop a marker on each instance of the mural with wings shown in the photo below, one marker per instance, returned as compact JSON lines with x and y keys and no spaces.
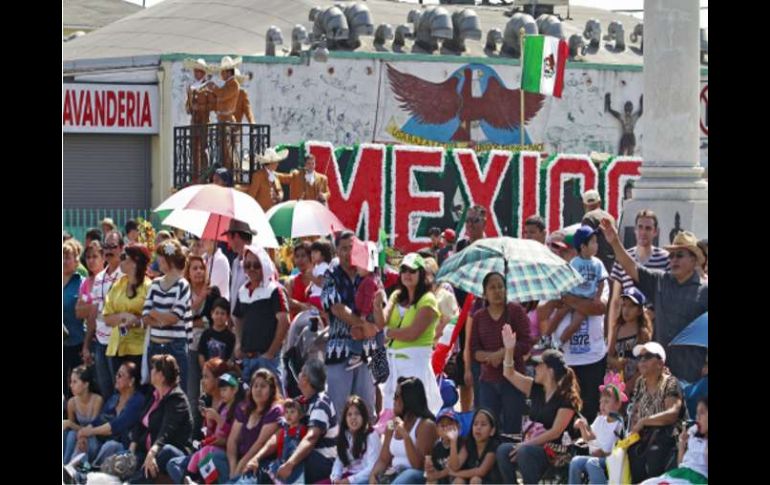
{"x":472,"y":105}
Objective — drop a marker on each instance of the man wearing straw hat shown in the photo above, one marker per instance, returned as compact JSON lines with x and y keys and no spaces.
{"x":265,"y":186}
{"x":679,"y":296}
{"x":200,"y":102}
{"x":227,"y":98}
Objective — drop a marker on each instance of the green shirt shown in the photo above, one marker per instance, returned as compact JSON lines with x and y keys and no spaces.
{"x":396,"y":321}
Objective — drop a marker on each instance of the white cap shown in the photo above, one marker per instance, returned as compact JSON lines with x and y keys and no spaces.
{"x":651,"y":347}
{"x":591,"y":197}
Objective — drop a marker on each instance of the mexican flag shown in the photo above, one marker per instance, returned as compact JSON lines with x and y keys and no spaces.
{"x":207,"y":469}
{"x":542,"y":70}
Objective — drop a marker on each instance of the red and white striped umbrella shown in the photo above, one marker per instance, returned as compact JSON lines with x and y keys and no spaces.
{"x":206,"y":211}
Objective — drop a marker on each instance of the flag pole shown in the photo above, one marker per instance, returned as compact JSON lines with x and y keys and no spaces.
{"x":521,"y":89}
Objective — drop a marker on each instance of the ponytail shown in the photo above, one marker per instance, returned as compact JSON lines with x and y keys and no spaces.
{"x":569,"y":389}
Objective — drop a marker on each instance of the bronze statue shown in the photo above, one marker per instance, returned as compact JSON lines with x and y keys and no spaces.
{"x":627,"y":122}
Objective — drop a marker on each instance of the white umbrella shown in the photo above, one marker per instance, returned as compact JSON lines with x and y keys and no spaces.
{"x":206,"y":211}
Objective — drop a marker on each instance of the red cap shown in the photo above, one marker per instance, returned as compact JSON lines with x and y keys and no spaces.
{"x":449,"y":235}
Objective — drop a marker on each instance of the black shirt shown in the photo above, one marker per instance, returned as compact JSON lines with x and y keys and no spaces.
{"x":545,"y":412}
{"x":440,"y":455}
{"x":217,"y":344}
{"x":259,"y":322}
{"x":475,"y":458}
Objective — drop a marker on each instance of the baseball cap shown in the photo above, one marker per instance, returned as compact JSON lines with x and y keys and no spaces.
{"x":591,"y":197}
{"x":635,"y":296}
{"x":652,"y":348}
{"x":447,"y":413}
{"x":582,"y":235}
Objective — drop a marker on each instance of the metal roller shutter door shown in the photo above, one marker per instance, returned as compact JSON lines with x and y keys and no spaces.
{"x":106,"y":171}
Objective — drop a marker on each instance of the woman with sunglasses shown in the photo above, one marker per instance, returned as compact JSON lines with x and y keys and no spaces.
{"x":409,"y":320}
{"x":123,"y":307}
{"x":653,"y":413}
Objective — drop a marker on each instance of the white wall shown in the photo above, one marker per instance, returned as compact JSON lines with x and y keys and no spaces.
{"x":355,"y":103}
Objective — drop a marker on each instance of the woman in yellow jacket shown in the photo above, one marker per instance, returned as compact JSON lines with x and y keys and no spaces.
{"x":123,"y":307}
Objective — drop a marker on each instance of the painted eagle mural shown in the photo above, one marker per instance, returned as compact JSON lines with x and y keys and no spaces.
{"x":445,"y":111}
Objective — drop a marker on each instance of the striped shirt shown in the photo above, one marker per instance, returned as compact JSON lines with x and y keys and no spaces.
{"x":321,"y":414}
{"x":175,"y":300}
{"x":102,"y":284}
{"x":658,"y":260}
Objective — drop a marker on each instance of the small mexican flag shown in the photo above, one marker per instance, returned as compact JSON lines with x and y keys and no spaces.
{"x":542,"y":70}
{"x":207,"y":469}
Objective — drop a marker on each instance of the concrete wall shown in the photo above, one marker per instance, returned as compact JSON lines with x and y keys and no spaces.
{"x":347,"y":101}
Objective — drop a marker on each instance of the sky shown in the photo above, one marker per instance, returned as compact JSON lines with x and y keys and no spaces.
{"x":604,"y":4}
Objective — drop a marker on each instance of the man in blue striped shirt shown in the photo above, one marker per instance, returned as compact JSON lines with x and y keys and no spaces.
{"x":317,"y":449}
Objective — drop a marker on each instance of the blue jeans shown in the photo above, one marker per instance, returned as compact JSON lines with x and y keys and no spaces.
{"x":530,"y":460}
{"x":410,"y":475}
{"x":177,"y":468}
{"x":70,"y":441}
{"x":317,"y":467}
{"x":108,"y":449}
{"x":219,"y":457}
{"x":105,"y":374}
{"x":177,"y":348}
{"x":166,"y":454}
{"x":505,"y":402}
{"x":592,"y":465}
{"x":253,"y":364}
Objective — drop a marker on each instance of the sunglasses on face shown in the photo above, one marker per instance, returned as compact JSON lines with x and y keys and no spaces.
{"x":679,"y":254}
{"x":250,"y":265}
{"x":647,"y":356}
{"x":405,"y":269}
{"x":109,"y":246}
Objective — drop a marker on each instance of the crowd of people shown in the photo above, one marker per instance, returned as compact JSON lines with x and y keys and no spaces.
{"x":180,"y":361}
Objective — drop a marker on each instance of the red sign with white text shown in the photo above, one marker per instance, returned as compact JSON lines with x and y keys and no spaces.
{"x":110,"y":108}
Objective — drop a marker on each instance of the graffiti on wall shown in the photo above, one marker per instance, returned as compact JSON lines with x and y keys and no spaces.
{"x":472,"y":105}
{"x":406,"y":189}
{"x":450,"y":104}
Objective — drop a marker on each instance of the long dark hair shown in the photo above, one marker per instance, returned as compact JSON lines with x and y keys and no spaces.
{"x":414,"y":398}
{"x":492,"y":422}
{"x":359,"y":437}
{"x":419,"y":291}
{"x":140,"y":259}
{"x":644,"y":333}
{"x":275,"y":393}
{"x":568,"y":388}
{"x":87,"y":375}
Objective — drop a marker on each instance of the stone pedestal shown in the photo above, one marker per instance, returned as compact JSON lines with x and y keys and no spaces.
{"x":671,"y":183}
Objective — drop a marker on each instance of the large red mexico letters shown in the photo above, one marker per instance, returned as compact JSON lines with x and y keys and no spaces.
{"x":405,"y":189}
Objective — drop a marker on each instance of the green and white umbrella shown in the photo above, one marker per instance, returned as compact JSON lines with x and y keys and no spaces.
{"x":300,"y":218}
{"x":531,"y":270}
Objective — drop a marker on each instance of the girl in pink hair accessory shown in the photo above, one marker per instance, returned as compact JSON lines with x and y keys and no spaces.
{"x":601,"y":436}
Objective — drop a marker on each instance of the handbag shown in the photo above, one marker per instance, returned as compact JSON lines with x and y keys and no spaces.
{"x":378,"y":365}
{"x":559,"y":455}
{"x":121,"y":465}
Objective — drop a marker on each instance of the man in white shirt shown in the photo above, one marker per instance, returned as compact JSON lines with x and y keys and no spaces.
{"x":105,"y":374}
{"x":239,"y":235}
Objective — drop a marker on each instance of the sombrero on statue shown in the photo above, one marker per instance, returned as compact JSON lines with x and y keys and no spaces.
{"x":193,"y":64}
{"x":229,"y":63}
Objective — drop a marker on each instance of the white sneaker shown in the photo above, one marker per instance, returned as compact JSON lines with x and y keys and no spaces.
{"x":77,"y":459}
